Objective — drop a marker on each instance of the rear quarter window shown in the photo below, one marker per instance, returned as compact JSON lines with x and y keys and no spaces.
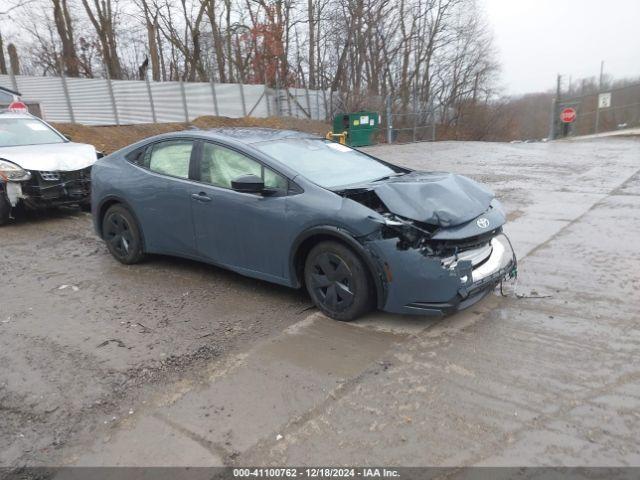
{"x":168,"y":157}
{"x":137,"y":156}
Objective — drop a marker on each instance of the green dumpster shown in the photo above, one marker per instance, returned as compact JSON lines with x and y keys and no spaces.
{"x":360,"y":128}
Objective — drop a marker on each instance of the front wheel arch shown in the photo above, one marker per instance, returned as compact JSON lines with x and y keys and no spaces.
{"x":310,"y":238}
{"x":106,"y":204}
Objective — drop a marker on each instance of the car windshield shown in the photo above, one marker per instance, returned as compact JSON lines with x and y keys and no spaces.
{"x":326,"y":163}
{"x":15,"y":132}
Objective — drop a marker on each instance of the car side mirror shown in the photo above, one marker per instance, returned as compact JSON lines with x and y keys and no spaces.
{"x":248,"y":184}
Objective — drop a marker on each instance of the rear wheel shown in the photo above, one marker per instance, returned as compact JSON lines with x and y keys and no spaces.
{"x":122,"y":235}
{"x":337,"y":281}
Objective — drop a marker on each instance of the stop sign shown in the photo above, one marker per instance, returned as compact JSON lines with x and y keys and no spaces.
{"x":568,"y":115}
{"x":18,"y":107}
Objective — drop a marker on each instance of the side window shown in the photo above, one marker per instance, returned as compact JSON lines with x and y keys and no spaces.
{"x":221,"y":165}
{"x":137,"y":156}
{"x":169,"y":158}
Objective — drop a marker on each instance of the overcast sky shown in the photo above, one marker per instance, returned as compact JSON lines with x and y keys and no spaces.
{"x":536,"y":39}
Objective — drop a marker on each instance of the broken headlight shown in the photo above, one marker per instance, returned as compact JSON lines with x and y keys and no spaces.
{"x":12,"y":172}
{"x":409,"y":235}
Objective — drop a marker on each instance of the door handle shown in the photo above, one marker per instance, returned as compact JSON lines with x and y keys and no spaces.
{"x":201,"y":197}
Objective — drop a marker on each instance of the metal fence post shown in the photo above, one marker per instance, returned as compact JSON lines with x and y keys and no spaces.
{"x":65,"y":89}
{"x":184,"y":101}
{"x":213,"y":94}
{"x":14,"y":81}
{"x":330,"y":104}
{"x":112,"y":95}
{"x":278,"y":107}
{"x":389,"y":121}
{"x":552,"y":120}
{"x":286,"y":91}
{"x":306,"y":94}
{"x":266,"y":99}
{"x":317,"y":95}
{"x":553,"y":130}
{"x":598,"y":97}
{"x":432,"y":116}
{"x":415,"y":111}
{"x":326,"y":107}
{"x":153,"y":108}
{"x":244,"y":105}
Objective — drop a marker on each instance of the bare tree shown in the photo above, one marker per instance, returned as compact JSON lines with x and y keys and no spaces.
{"x":64,"y":26}
{"x":189,"y":42}
{"x":150,"y":12}
{"x":103,"y":18}
{"x":426,"y":54}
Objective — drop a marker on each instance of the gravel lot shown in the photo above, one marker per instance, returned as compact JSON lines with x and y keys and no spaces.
{"x":176,"y":363}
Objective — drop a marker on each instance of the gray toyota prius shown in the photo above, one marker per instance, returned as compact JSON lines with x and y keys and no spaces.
{"x":290,"y":208}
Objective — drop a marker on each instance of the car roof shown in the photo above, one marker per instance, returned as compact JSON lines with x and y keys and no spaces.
{"x":250,"y":135}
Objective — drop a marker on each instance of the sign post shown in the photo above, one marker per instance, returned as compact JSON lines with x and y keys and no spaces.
{"x":567,"y":117}
{"x":604,"y":101}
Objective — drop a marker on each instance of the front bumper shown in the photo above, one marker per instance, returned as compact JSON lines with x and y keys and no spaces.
{"x":48,"y":189}
{"x":425,"y":285}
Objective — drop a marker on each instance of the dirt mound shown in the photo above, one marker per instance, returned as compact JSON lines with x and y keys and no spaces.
{"x":111,"y":138}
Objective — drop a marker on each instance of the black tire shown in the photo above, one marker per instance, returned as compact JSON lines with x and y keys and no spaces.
{"x":5,"y":209}
{"x":122,"y":234}
{"x":338,"y":281}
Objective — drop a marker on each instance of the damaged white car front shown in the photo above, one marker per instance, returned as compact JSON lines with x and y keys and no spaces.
{"x":40,"y":167}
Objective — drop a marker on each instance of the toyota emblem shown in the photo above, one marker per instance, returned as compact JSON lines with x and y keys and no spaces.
{"x":482,"y":222}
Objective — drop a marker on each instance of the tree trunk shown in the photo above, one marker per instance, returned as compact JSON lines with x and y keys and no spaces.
{"x":312,"y":44}
{"x":151,"y":23}
{"x":228,"y":40}
{"x":14,"y":61}
{"x":218,"y":42}
{"x":63,"y":20}
{"x":3,"y":61}
{"x":102,"y":20}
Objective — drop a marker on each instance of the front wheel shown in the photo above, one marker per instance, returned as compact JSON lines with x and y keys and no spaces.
{"x":337,"y":281}
{"x":122,"y":234}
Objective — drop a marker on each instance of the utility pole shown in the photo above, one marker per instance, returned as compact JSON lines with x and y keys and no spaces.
{"x":389,"y":121}
{"x":598,"y":97}
{"x":554,"y":111}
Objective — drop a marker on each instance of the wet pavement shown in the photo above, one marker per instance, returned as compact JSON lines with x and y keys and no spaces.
{"x":205,"y":367}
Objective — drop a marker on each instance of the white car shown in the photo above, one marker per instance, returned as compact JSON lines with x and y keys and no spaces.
{"x":40,"y":167}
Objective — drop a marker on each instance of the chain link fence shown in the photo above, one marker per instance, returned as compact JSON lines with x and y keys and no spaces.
{"x":404,"y":124}
{"x":408,"y":127}
{"x":605,"y":111}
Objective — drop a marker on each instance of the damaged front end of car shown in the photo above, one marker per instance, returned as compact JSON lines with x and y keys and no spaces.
{"x":43,"y":189}
{"x":449,"y":258}
{"x":57,"y":188}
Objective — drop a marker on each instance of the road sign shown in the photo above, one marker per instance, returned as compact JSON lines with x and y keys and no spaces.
{"x":604,"y":100}
{"x":568,"y":115}
{"x":18,"y":107}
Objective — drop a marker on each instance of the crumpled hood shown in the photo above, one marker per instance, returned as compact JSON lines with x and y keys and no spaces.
{"x":435,"y":198}
{"x":52,"y":157}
